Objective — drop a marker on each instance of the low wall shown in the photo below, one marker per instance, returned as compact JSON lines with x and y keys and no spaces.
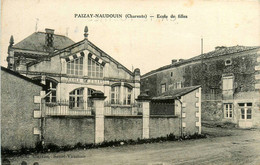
{"x":162,"y":126}
{"x":123,"y":127}
{"x":69,"y":131}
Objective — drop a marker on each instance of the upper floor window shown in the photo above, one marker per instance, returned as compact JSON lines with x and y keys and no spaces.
{"x":75,"y":67}
{"x":163,"y":88}
{"x":94,"y":69}
{"x":115,"y":95}
{"x":227,"y":83}
{"x":228,"y":108}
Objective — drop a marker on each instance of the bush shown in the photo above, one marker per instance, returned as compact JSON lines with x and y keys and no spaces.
{"x":55,"y":148}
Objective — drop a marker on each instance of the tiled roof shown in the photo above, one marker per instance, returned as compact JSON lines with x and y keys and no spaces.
{"x":215,"y":53}
{"x":175,"y":93}
{"x":36,"y":42}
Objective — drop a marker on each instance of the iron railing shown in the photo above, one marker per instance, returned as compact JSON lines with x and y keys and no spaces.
{"x":68,"y":108}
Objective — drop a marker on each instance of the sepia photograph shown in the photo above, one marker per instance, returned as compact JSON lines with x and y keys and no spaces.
{"x":130,"y":82}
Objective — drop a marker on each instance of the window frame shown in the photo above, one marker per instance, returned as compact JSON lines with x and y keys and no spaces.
{"x":127,"y":95}
{"x":228,"y":110}
{"x":115,"y":95}
{"x":78,"y":101}
{"x":163,"y":86}
{"x":95,"y":69}
{"x":245,"y":108}
{"x":75,"y":66}
{"x":225,"y":80}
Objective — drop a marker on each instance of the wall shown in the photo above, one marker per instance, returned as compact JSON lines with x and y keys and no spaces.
{"x":162,"y":126}
{"x":69,"y":131}
{"x":120,"y":127}
{"x":17,"y":106}
{"x":190,"y":109}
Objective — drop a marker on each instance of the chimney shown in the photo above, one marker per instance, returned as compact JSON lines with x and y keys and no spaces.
{"x":220,"y":47}
{"x":174,"y":61}
{"x":49,"y":38}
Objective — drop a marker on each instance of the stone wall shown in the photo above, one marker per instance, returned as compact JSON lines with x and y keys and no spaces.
{"x":163,"y":125}
{"x":17,"y":107}
{"x":69,"y":131}
{"x":123,"y":128}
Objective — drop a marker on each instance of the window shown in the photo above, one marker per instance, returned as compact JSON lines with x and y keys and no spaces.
{"x":75,"y":67}
{"x":89,"y":102}
{"x":246,"y":110}
{"x":94,"y":69}
{"x":76,"y":98}
{"x":228,"y":109}
{"x":127,"y":95}
{"x":178,"y":85}
{"x":228,"y":62}
{"x":171,"y":74}
{"x":115,"y":94}
{"x":163,"y":88}
{"x":227,"y":83}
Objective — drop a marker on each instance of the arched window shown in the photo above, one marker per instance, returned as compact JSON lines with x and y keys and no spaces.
{"x":76,"y":98}
{"x":49,"y":88}
{"x":94,"y":69}
{"x":75,"y":67}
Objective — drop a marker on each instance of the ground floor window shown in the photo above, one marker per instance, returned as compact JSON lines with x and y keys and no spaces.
{"x":122,"y":92}
{"x":246,"y":110}
{"x":115,"y":94}
{"x":228,"y":108}
{"x":127,"y":95}
{"x":76,"y":98}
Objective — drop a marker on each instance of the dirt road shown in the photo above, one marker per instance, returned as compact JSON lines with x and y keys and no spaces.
{"x":223,"y":146}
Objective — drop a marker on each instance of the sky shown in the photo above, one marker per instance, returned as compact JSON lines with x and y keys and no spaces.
{"x":145,"y":43}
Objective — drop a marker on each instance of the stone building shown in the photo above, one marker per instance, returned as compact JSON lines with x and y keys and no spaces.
{"x":72,"y":71}
{"x":230,"y":81}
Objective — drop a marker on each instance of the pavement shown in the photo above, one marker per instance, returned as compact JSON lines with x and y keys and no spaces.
{"x":230,"y":146}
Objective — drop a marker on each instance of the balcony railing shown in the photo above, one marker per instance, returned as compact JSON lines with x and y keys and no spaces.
{"x":67,"y":108}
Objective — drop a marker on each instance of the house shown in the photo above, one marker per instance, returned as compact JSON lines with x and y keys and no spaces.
{"x":183,"y":104}
{"x":18,"y":103}
{"x":229,"y":78}
{"x":72,"y":71}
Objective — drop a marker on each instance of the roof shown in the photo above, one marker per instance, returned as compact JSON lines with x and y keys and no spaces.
{"x":36,"y":42}
{"x":21,"y":76}
{"x":175,"y":93}
{"x":215,"y":53}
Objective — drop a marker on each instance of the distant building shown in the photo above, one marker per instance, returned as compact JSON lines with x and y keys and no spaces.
{"x":72,"y":71}
{"x":230,"y":81}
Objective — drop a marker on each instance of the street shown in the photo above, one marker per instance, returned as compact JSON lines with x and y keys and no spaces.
{"x":222,"y":146}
